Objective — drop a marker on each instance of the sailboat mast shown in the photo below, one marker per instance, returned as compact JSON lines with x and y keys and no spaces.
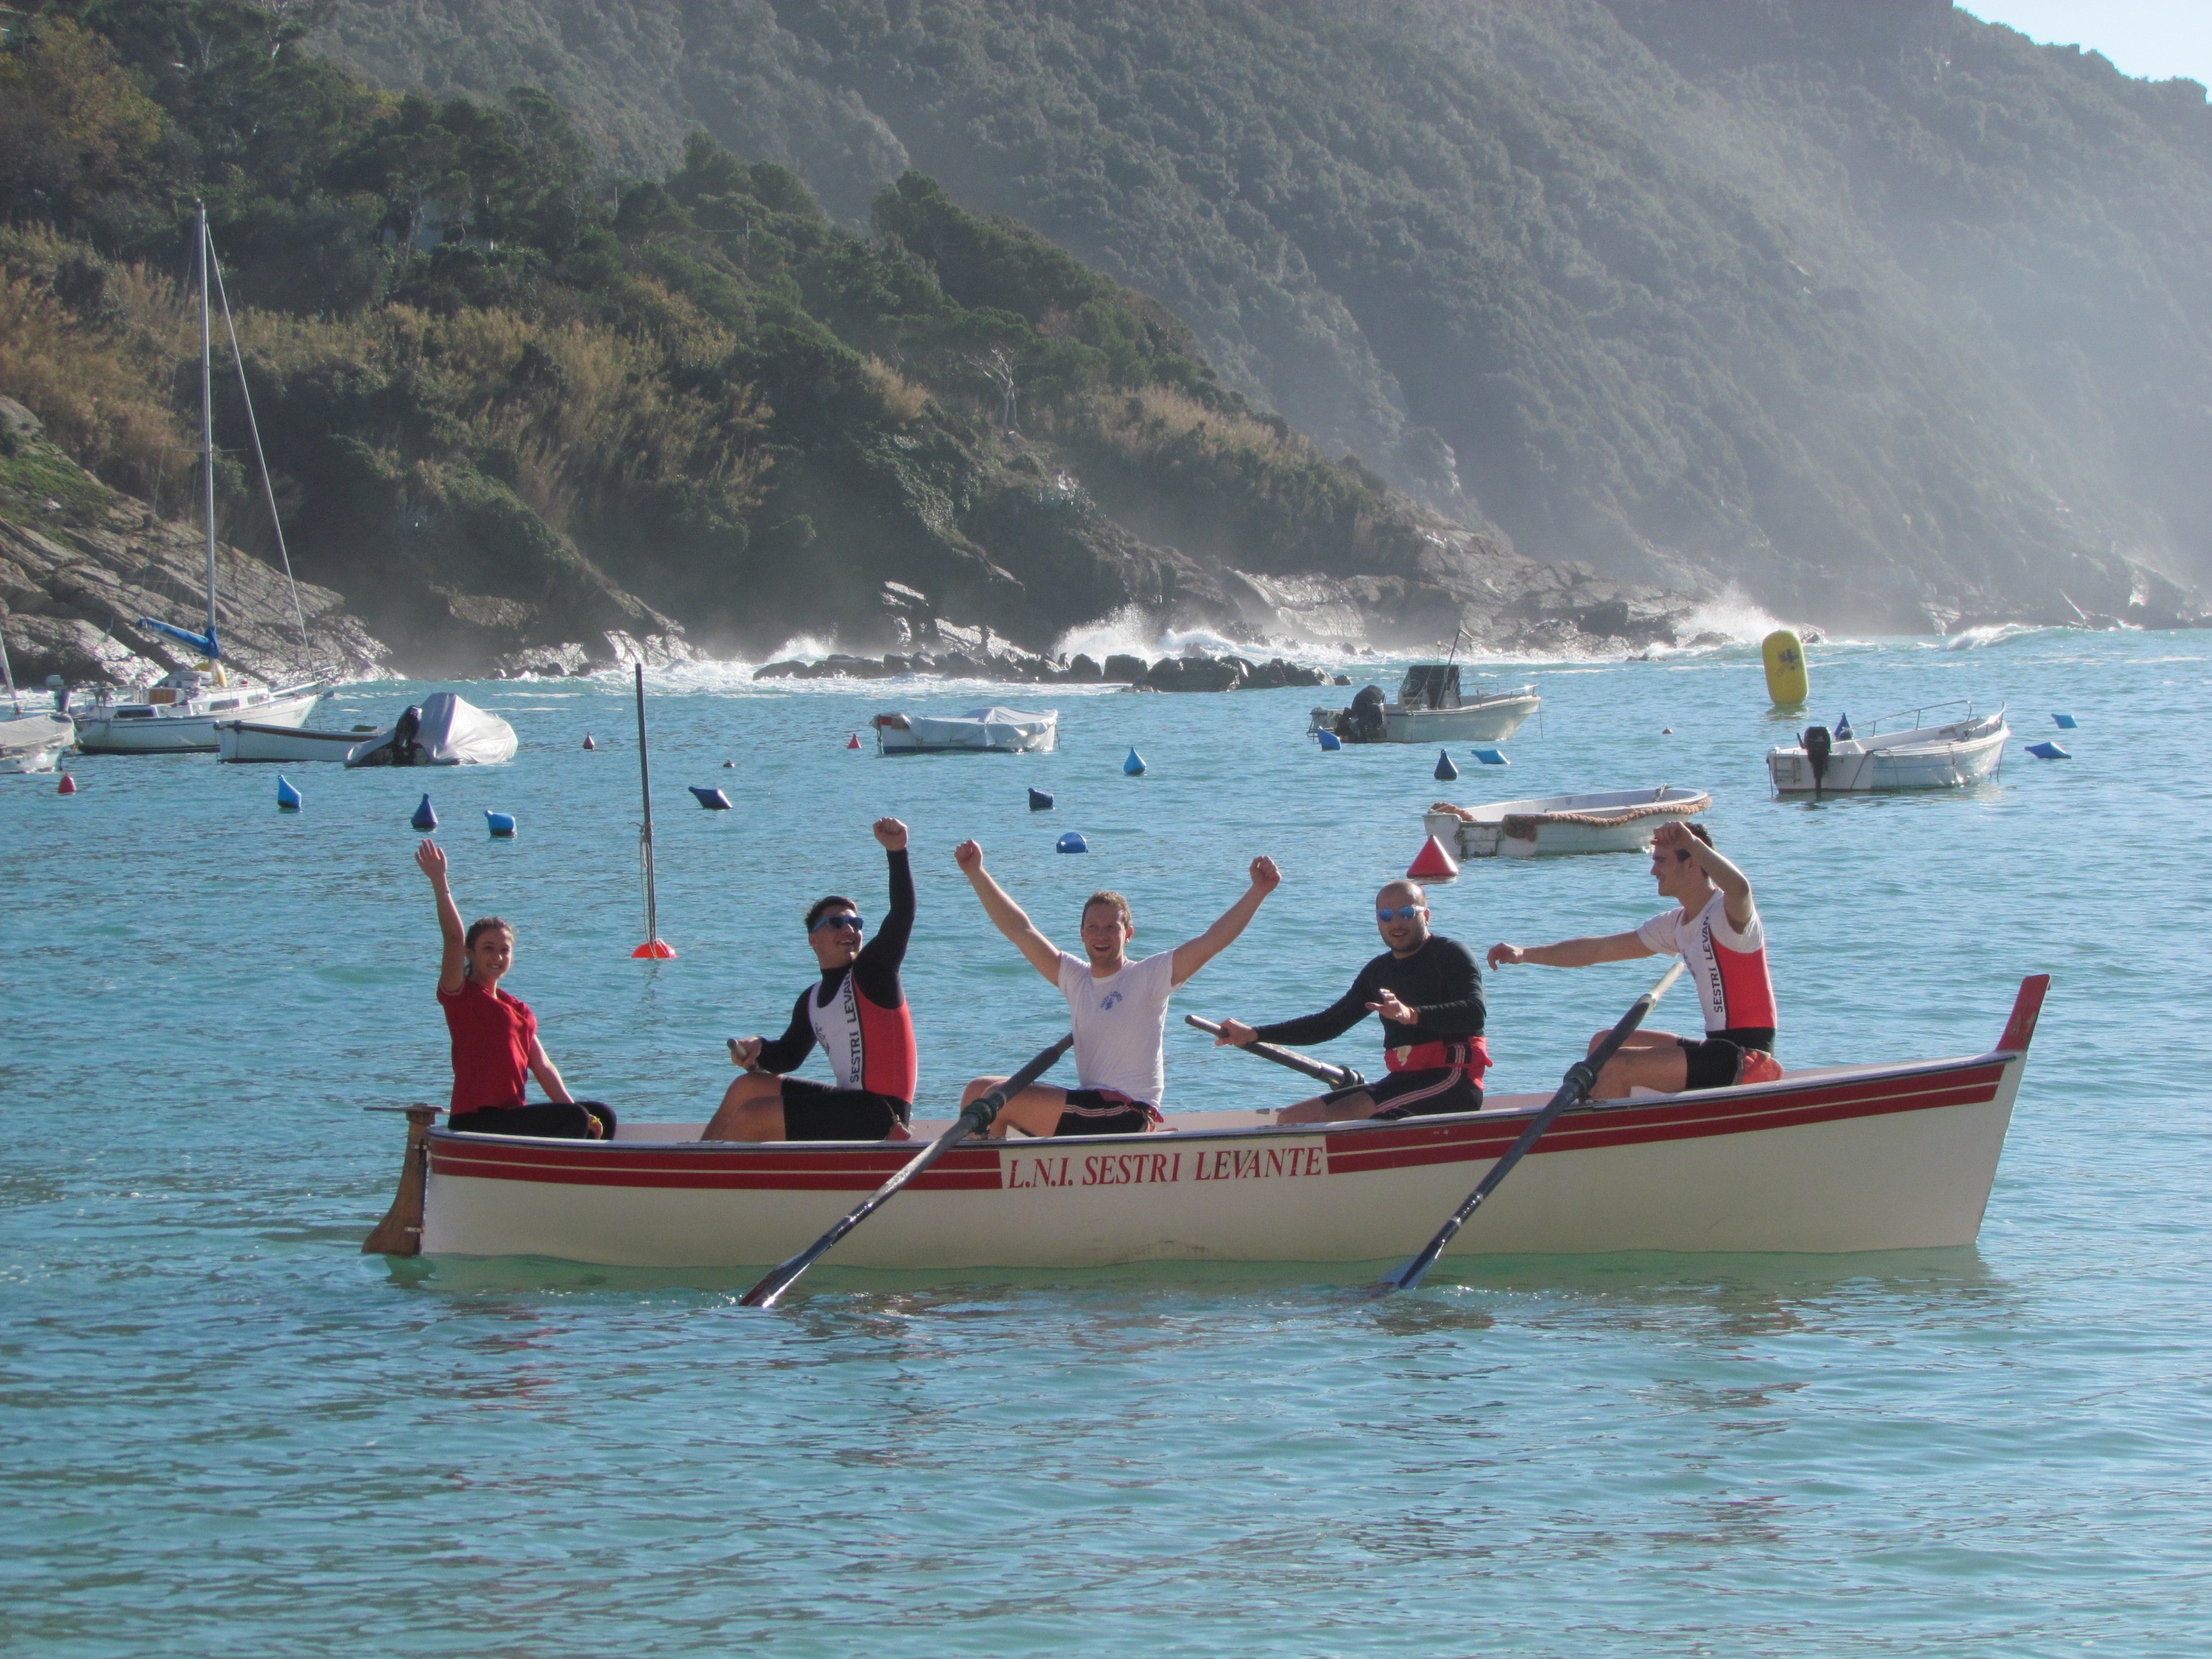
{"x":207,"y":420}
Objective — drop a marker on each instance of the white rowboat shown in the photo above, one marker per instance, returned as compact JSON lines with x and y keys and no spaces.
{"x":993,"y":731}
{"x":250,"y":740}
{"x":1614,"y":821}
{"x":1837,"y":1158}
{"x":1965,"y":751}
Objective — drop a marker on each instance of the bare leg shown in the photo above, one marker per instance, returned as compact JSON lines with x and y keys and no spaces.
{"x":1647,"y":1060}
{"x":751,"y":1109}
{"x":1036,"y":1110}
{"x":1321,"y":1109}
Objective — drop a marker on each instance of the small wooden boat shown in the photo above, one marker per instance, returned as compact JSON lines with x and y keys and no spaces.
{"x":1432,"y":708}
{"x":1916,"y":756}
{"x":993,"y":731}
{"x":1614,"y":821}
{"x":1834,"y":1158}
{"x":249,"y":740}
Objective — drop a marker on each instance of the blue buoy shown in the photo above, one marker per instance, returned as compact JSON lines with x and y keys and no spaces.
{"x":1330,"y":743}
{"x":2065,"y":722}
{"x":1040,"y":801}
{"x":424,"y":819}
{"x":1445,"y":770}
{"x":502,"y":824}
{"x":713,"y":799}
{"x":1492,"y":758}
{"x":1073,"y":841}
{"x":1842,"y":728}
{"x":2048,"y":750}
{"x":287,"y":798}
{"x":1134,"y":767}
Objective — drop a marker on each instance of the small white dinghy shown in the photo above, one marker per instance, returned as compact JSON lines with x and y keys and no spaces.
{"x":993,"y":731}
{"x":442,"y":730}
{"x":1614,"y":821}
{"x":247,"y":741}
{"x":1917,"y":756}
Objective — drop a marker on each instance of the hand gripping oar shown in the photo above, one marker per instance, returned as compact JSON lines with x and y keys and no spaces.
{"x":1580,"y":1079}
{"x":1337,"y":1077}
{"x":977,"y":1118}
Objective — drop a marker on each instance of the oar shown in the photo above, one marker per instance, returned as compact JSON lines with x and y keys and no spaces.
{"x":1581,"y":1077}
{"x":977,"y":1118}
{"x":1337,"y":1077}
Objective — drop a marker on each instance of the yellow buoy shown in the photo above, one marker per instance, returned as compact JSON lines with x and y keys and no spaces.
{"x":1786,"y":680}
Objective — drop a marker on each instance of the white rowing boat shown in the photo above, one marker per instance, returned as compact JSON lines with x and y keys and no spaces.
{"x":249,"y":740}
{"x":993,"y":731}
{"x":1612,"y":821}
{"x":1836,"y":1158}
{"x":1946,"y":755}
{"x":1432,"y":708}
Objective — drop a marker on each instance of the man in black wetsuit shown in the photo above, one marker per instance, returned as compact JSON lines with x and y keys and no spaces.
{"x":1429,"y":992}
{"x":858,"y":1013}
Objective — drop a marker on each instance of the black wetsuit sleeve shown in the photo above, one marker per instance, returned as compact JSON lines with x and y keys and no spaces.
{"x":1334,"y":1021}
{"x":876,"y":969}
{"x":1447,"y":992}
{"x":788,"y":1052}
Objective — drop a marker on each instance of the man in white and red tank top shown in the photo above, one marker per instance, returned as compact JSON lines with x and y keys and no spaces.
{"x":1716,"y":931}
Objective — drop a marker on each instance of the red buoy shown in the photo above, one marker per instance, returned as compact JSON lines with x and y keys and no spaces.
{"x":653,"y":950}
{"x":855,"y":742}
{"x":588,"y":744}
{"x":1432,"y":862}
{"x":68,"y":785}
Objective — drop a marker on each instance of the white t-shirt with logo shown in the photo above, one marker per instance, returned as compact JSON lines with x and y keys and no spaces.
{"x":1121,"y":1025}
{"x":1730,"y":968}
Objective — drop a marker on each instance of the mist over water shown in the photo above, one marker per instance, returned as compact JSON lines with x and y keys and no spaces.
{"x":228,"y":1432}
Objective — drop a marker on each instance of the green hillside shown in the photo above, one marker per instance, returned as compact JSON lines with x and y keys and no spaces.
{"x":1881,"y":312}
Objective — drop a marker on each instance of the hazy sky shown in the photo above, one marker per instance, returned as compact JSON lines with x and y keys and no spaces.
{"x":2155,"y":39}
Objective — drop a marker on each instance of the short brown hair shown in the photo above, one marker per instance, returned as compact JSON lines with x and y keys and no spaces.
{"x":1104,"y":896}
{"x":478,"y":929}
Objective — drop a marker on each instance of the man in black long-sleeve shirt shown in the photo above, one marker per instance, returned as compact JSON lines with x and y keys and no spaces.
{"x":1429,"y":992}
{"x":858,"y":1013}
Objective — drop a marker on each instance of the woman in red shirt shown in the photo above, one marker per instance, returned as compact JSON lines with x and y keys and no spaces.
{"x":496,"y":1046}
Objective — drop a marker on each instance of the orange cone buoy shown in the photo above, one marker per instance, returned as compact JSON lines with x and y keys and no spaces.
{"x":1432,"y":862}
{"x":588,"y":744}
{"x":67,"y":787}
{"x":855,"y":742}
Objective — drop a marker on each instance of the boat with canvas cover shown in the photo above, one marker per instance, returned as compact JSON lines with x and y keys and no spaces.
{"x":442,"y":730}
{"x":1612,"y":821}
{"x":1432,"y":708}
{"x":993,"y":731}
{"x":178,"y":715}
{"x":1826,"y":1159}
{"x":1917,"y":755}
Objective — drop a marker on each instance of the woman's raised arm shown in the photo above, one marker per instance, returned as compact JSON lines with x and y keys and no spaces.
{"x":430,"y":859}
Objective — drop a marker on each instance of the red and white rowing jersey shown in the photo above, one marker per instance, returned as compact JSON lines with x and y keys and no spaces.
{"x":869,"y":1046}
{"x":1730,"y":968}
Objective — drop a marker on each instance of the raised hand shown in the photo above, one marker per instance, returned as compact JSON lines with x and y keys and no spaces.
{"x":1672,"y":838}
{"x":745,"y":1052}
{"x":1265,"y":876}
{"x":1391,"y":1009}
{"x":968,"y":855}
{"x":892,"y":834}
{"x":430,"y":859}
{"x":1234,"y":1034}
{"x":1506,"y":955}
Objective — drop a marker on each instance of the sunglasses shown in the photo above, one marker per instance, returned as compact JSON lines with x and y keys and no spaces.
{"x":840,"y":920}
{"x":1403,"y":913}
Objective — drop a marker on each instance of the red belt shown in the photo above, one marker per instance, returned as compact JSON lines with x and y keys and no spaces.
{"x":1474,"y":1056}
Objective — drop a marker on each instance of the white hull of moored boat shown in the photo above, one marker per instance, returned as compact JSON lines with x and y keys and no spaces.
{"x":256,"y":740}
{"x":186,"y":728}
{"x":1614,"y":821}
{"x":1844,"y":1159}
{"x":1488,"y":719}
{"x":1947,"y":757}
{"x":34,"y":742}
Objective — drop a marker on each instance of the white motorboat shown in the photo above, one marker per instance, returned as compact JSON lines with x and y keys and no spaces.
{"x":1432,"y":708}
{"x":180,"y":713}
{"x":1831,"y":1158}
{"x":1612,"y":821}
{"x":442,"y":730}
{"x":994,"y":731}
{"x":252,"y":740}
{"x":1914,"y":756}
{"x":34,"y":742}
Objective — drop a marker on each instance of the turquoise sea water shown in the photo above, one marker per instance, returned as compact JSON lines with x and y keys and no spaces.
{"x":224,"y":1432}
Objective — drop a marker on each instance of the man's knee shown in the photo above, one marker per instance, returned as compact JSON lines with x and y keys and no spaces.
{"x":976,"y":1090}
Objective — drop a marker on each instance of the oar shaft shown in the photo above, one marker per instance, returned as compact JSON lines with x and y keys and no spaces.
{"x":974,"y":1120}
{"x":1581,"y":1077}
{"x":1337,"y":1077}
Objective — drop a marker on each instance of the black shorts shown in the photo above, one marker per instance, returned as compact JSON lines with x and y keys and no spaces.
{"x":1419,"y":1094}
{"x":1717,"y":1062}
{"x":548,"y":1120}
{"x":816,"y":1111}
{"x":1105,"y":1112}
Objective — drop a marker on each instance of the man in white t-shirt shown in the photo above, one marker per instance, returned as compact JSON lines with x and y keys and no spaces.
{"x":1118,"y":1008}
{"x":1717,"y":930}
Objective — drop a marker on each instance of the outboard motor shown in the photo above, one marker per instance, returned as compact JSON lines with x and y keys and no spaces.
{"x":1362,"y":722}
{"x":405,"y":748}
{"x":1816,"y":751}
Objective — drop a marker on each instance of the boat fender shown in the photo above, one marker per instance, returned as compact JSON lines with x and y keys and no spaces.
{"x":287,"y":798}
{"x":1134,"y":767}
{"x":2065,"y":722}
{"x":588,"y":744}
{"x":1816,"y":752}
{"x":1073,"y":841}
{"x":67,"y":787}
{"x":424,"y":819}
{"x":1445,"y":770}
{"x":501,"y":824}
{"x":1040,"y":801}
{"x":1432,"y":862}
{"x":2048,"y":750}
{"x":1330,"y":743}
{"x":1492,"y":758}
{"x":713,"y":799}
